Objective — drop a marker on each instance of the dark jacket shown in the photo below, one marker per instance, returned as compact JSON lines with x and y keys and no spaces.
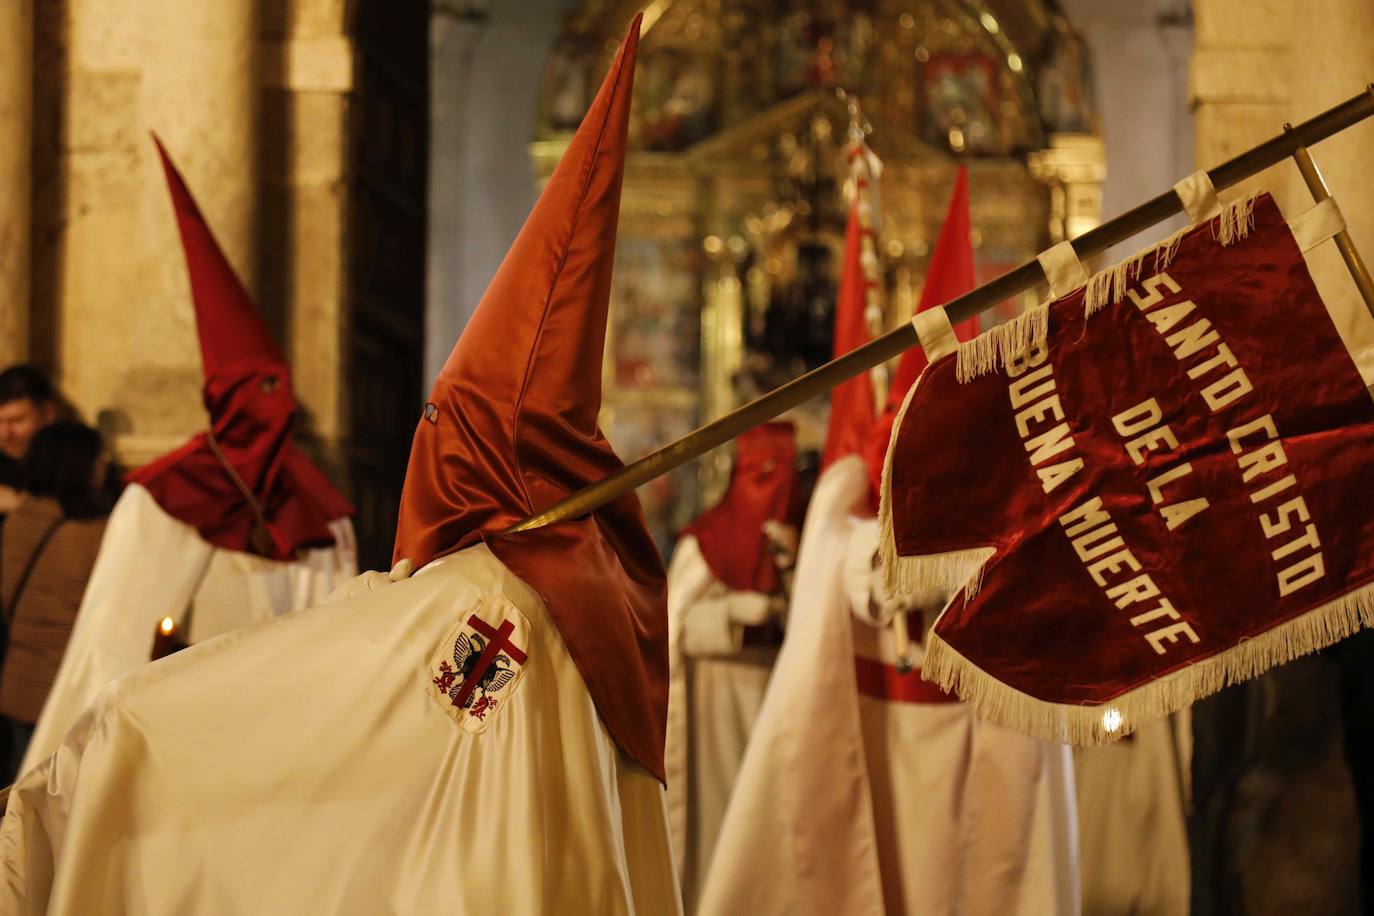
{"x":40,"y":615}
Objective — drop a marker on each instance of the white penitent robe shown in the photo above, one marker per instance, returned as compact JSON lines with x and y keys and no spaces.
{"x":798,"y":836}
{"x":850,"y":801}
{"x":716,"y":688}
{"x":315,"y":764}
{"x":971,"y":818}
{"x":1133,"y":823}
{"x":152,"y":566}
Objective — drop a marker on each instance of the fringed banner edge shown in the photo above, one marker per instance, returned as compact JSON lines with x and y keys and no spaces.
{"x":908,"y":575}
{"x":1109,"y":721}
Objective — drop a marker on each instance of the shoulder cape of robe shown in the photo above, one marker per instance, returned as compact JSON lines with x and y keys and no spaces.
{"x":847,"y":803}
{"x":308,"y":765}
{"x":716,"y":686}
{"x":152,"y":566}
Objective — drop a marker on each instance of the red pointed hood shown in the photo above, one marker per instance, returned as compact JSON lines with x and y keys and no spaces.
{"x":949,"y":275}
{"x":851,"y":402}
{"x":243,"y":484}
{"x":762,"y":489}
{"x":233,"y":339}
{"x":510,"y":428}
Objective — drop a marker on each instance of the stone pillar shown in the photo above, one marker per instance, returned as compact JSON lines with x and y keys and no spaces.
{"x":1332,"y":45}
{"x":126,"y":346}
{"x":1140,"y":73}
{"x":485,"y":152}
{"x":1275,"y":827}
{"x":308,"y":80}
{"x":1287,"y":64}
{"x":16,"y":120}
{"x":456,"y":27}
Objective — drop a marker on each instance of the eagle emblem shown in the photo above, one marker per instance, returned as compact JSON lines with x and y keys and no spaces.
{"x":487,"y":659}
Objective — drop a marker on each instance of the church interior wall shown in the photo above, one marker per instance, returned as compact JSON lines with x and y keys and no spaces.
{"x":251,"y":101}
{"x":486,"y":65}
{"x":1140,"y":57}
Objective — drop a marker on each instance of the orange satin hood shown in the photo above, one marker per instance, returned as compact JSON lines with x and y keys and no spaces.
{"x":511,"y":428}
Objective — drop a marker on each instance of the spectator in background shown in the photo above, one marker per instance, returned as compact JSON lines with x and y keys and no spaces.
{"x":51,"y":540}
{"x":27,"y":404}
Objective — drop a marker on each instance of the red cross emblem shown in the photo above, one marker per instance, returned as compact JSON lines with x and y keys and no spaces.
{"x":486,"y":661}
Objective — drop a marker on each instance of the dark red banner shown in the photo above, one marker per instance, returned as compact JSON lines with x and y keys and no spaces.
{"x":1177,"y":489}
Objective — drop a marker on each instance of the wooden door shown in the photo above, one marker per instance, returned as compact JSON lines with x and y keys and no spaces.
{"x":390,"y":153}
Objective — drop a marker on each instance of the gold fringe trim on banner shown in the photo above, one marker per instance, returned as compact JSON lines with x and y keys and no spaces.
{"x":1236,"y":220}
{"x":991,"y":350}
{"x":1106,"y":287}
{"x":1100,"y":724}
{"x":944,"y":572}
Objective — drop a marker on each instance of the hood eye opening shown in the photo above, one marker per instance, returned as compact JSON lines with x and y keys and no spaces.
{"x":270,"y":384}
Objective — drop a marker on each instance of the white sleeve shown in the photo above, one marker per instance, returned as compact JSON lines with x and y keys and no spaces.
{"x":689,"y":578}
{"x":148,"y":568}
{"x":324,"y":569}
{"x":30,"y":842}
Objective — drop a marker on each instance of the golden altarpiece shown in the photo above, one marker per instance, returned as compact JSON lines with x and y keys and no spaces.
{"x":733,"y":212}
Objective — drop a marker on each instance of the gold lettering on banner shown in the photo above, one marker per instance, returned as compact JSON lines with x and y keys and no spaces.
{"x":1095,"y":538}
{"x":1164,"y":319}
{"x":1190,"y":340}
{"x":1046,"y":433}
{"x":1255,"y":442}
{"x":1197,"y":338}
{"x":1144,"y":423}
{"x":1259,"y":454}
{"x":1036,"y":406}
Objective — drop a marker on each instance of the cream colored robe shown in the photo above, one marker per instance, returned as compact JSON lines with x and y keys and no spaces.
{"x":717,"y":686}
{"x":1014,"y":848}
{"x":1133,"y":821}
{"x":311,"y":765}
{"x":855,"y":805}
{"x":152,"y":566}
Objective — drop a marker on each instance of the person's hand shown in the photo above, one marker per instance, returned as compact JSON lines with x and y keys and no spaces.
{"x":9,"y":499}
{"x":370,"y":581}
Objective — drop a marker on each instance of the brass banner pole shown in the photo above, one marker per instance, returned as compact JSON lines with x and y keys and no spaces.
{"x":1344,"y":243}
{"x":822,"y":379}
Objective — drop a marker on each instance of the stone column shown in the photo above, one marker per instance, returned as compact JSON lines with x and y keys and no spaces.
{"x":456,"y":28}
{"x":1332,"y":45}
{"x":1275,"y":826}
{"x":308,"y":81}
{"x":126,"y":347}
{"x":1287,"y":64}
{"x":16,"y":122}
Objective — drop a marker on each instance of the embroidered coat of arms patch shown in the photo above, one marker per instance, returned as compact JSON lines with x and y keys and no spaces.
{"x":479,"y":663}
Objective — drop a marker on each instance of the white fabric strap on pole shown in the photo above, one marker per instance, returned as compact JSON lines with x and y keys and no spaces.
{"x":1198,"y":196}
{"x":1310,"y":228}
{"x":1062,"y":269}
{"x":1364,"y":361}
{"x":1316,"y":224}
{"x":935,"y":333}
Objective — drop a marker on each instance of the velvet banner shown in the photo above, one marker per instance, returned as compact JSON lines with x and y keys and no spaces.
{"x":1153,"y":487}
